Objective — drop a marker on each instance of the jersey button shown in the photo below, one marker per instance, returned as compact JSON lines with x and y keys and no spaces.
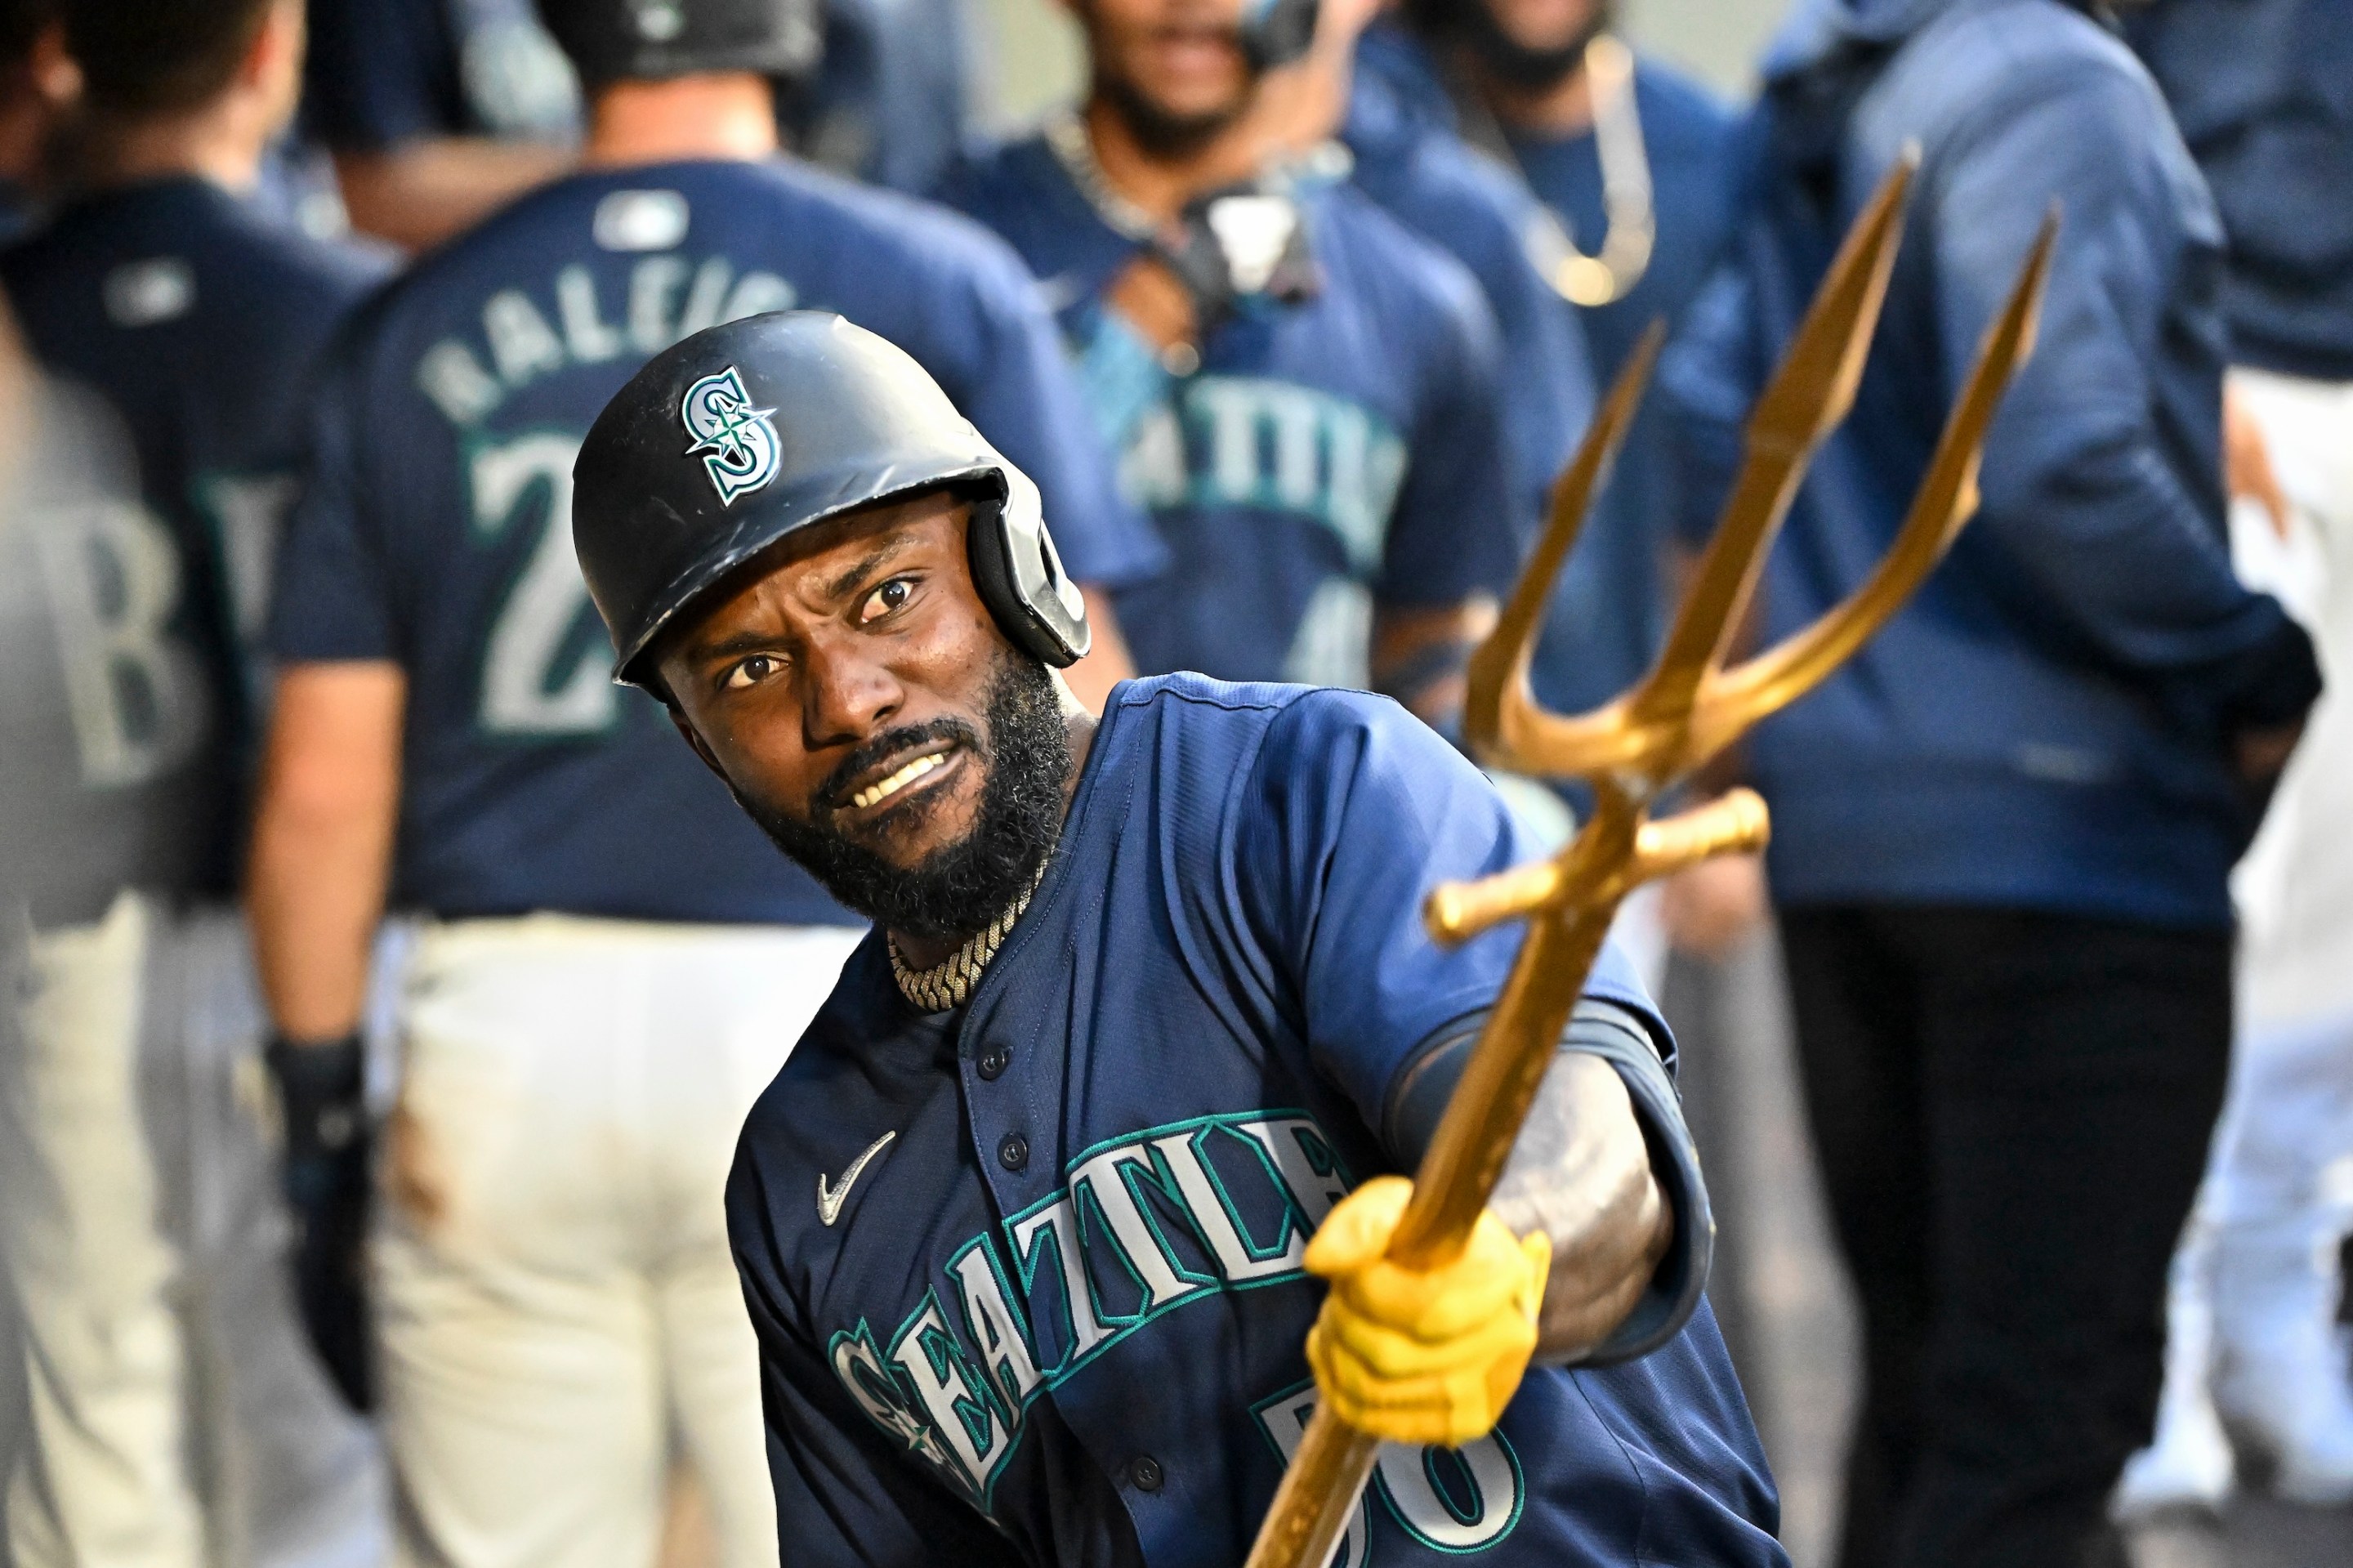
{"x":1013,"y":1152}
{"x":993,"y":1062}
{"x":1145,"y":1473}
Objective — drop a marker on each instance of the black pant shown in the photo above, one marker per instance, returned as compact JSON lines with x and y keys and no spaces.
{"x":2011,"y":1111}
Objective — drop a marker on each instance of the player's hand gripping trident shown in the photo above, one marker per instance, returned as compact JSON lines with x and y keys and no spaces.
{"x":1631,"y":750}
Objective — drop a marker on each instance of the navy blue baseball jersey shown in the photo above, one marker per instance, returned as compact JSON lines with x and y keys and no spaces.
{"x":381,"y":72}
{"x":1328,"y":454}
{"x":887,"y":101}
{"x":436,"y":531}
{"x":1692,"y":142}
{"x":1609,"y":614}
{"x":1027,"y":1276}
{"x":203,"y":327}
{"x":1480,"y":213}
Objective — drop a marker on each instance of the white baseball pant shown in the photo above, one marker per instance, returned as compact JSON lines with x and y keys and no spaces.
{"x":556,"y":1301}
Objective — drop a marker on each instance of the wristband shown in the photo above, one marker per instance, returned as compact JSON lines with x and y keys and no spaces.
{"x":321,"y":1090}
{"x":1124,"y":378}
{"x":1418,"y":1099}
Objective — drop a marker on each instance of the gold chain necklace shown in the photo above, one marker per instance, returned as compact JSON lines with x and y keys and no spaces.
{"x":1067,"y":139}
{"x":1629,"y":223}
{"x":948,"y":983}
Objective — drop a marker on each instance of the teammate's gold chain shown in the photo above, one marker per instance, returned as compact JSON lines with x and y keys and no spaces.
{"x":949,"y":982}
{"x":1629,"y":222}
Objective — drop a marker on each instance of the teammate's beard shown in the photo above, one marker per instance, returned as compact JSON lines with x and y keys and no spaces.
{"x":1158,"y":133}
{"x":1514,"y":64}
{"x":960,"y":887}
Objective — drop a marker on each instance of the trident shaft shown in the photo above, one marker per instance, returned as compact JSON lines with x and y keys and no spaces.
{"x":1686,"y":711}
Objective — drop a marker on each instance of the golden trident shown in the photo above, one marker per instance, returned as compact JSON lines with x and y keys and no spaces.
{"x":1633,"y":749}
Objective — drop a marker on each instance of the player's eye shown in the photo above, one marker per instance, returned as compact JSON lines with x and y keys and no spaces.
{"x":886,"y":597}
{"x":745,"y":673}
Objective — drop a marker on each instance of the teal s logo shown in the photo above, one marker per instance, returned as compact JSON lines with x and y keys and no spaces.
{"x":735,"y":440}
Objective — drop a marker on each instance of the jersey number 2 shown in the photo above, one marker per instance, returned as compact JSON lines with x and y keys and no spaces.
{"x":544,"y":668}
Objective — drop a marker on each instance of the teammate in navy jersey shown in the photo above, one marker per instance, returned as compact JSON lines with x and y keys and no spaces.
{"x":196,"y":330}
{"x":1427,"y":178}
{"x":440,"y":110}
{"x":1306,"y":396}
{"x":1520,"y":93}
{"x":436,"y":111}
{"x":1509,"y":78}
{"x":612,"y":963}
{"x":204,"y":327}
{"x":1023,"y":1223}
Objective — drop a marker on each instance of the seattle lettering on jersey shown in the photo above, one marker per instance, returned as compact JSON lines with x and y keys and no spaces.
{"x":1096,"y":1261}
{"x":1244,"y":441}
{"x":1143,"y":1224}
{"x":1345,"y":446}
{"x":1226,"y":443}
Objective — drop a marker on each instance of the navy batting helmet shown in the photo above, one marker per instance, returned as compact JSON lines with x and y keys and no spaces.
{"x":726,"y":443}
{"x":652,"y":41}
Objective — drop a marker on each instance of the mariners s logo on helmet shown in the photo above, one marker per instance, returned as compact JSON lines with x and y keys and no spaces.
{"x":737,"y":443}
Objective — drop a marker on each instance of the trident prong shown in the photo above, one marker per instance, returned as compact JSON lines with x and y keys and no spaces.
{"x":1642,"y":731}
{"x":1733,"y":701}
{"x":1500,"y":703}
{"x":1688,"y":708}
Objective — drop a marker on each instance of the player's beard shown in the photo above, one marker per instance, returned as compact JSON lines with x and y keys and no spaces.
{"x":958,"y":887}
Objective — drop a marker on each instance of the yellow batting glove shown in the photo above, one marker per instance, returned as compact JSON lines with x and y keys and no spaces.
{"x":1421,"y":1356}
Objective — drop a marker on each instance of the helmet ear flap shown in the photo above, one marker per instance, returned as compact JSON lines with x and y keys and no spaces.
{"x":1019,"y":576}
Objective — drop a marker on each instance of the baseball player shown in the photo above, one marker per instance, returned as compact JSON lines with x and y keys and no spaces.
{"x":1511,"y":77}
{"x":1305,"y":396}
{"x":1023,"y":1224}
{"x":149,"y":1238}
{"x":1423,"y":175}
{"x":612,"y":964}
{"x":436,"y":111}
{"x":76,"y":1468}
{"x":440,"y":110}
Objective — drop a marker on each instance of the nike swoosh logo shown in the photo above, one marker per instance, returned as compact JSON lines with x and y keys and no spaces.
{"x":829,"y":1202}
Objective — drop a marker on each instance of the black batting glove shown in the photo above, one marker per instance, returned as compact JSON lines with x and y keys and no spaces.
{"x":325,"y":1173}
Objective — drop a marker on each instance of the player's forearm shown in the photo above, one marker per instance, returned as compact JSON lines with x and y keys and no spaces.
{"x":322,"y":842}
{"x":1421,"y":655}
{"x":420,"y":194}
{"x":1581,"y":1173}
